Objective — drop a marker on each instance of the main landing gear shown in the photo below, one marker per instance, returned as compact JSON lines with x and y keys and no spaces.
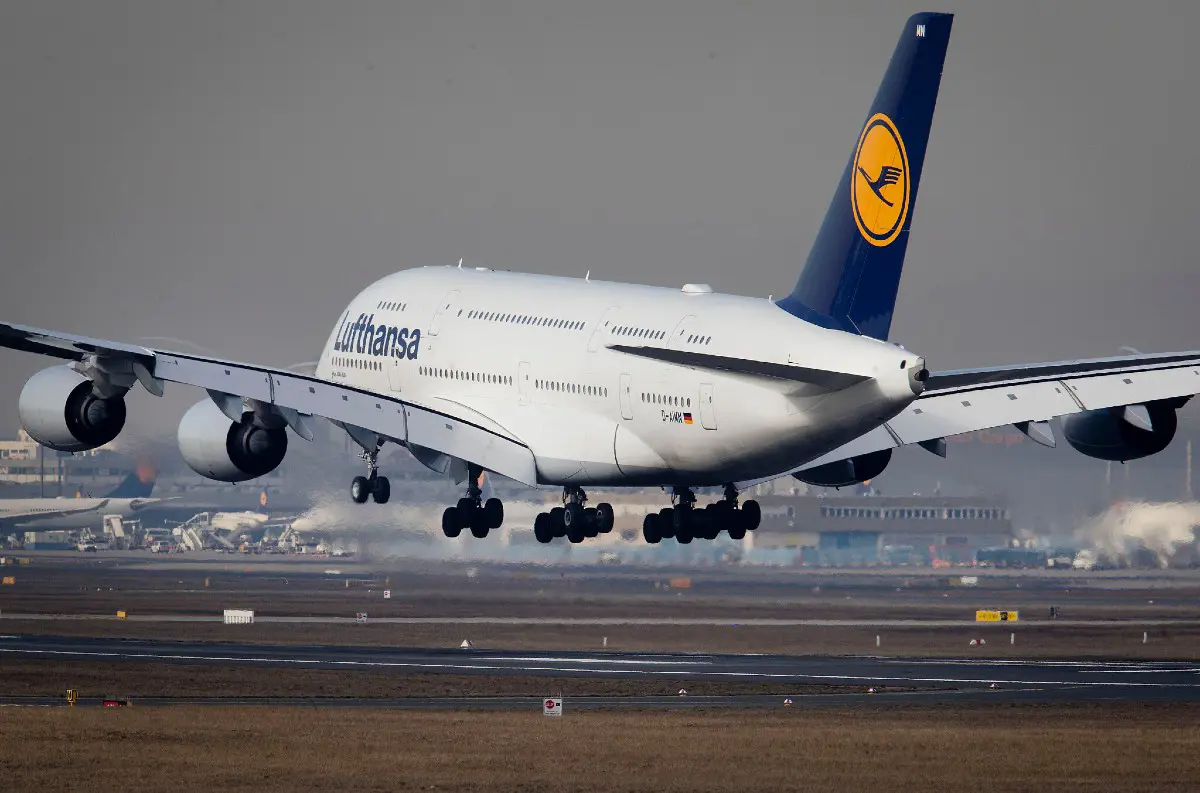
{"x":573,"y":520}
{"x":372,"y":485}
{"x":684,"y":521}
{"x":472,"y":512}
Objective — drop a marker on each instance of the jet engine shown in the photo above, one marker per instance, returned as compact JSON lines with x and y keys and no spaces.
{"x":229,"y":451}
{"x":851,"y":471}
{"x":1123,"y":433}
{"x":60,"y":409}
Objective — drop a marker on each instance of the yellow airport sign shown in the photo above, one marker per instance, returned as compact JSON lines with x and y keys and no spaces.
{"x":995,"y":616}
{"x":9,"y":580}
{"x":120,"y":615}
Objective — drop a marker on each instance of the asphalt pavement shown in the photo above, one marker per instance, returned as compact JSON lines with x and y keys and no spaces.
{"x":924,"y":680}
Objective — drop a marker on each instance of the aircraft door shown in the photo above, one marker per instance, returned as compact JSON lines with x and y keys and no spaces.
{"x":523,"y":384}
{"x":394,"y":375}
{"x":626,"y":398}
{"x":602,"y":328}
{"x":443,"y":308}
{"x":708,"y":413}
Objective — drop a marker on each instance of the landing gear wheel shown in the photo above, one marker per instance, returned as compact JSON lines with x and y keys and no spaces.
{"x":737,"y":531}
{"x":450,"y":523}
{"x":591,"y":523}
{"x":573,"y":516}
{"x":751,"y":515}
{"x":466,"y":510}
{"x":479,"y":526}
{"x":360,"y":489}
{"x":684,"y":521}
{"x":558,"y":522}
{"x":382,"y":491}
{"x":651,"y":528}
{"x":493,"y":510}
{"x":666,"y":523}
{"x":604,"y":512}
{"x":542,"y":530}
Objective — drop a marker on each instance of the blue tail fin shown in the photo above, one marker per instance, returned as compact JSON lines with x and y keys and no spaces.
{"x":139,"y":484}
{"x":853,"y":270}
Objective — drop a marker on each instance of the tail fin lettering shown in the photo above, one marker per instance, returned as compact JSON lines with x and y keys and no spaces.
{"x":852,"y":274}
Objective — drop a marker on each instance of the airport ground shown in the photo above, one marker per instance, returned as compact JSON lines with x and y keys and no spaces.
{"x":214,"y":720}
{"x":1088,"y":747}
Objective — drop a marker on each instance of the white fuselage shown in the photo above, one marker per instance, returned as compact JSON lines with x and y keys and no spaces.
{"x":534,"y":356}
{"x":67,"y":513}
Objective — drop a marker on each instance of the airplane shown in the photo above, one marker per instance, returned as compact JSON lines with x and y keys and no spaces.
{"x":128,"y":498}
{"x":577,"y":383}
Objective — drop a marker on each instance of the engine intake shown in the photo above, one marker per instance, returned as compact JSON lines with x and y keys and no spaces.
{"x":60,"y":410}
{"x":851,"y":471}
{"x":228,"y":451}
{"x":1106,"y":435}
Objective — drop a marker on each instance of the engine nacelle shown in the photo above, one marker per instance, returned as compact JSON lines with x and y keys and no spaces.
{"x":851,"y":471}
{"x":60,"y":410}
{"x":217,"y":448}
{"x":1106,"y":435}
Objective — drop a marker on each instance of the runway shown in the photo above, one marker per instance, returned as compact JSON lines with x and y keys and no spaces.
{"x":925,"y":680}
{"x":691,"y":622}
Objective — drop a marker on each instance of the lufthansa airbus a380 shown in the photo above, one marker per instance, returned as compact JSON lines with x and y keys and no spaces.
{"x":576,"y":383}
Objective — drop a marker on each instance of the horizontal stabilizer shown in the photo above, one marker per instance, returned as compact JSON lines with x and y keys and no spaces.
{"x":834,"y":381}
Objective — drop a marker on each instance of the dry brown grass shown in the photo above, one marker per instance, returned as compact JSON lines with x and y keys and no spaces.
{"x":1112,"y":748}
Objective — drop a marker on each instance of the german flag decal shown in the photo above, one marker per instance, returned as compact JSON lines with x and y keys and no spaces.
{"x":687,"y":418}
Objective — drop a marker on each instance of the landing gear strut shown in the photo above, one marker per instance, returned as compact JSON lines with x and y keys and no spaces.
{"x":573,"y":520}
{"x":472,"y":512}
{"x":371,"y":485}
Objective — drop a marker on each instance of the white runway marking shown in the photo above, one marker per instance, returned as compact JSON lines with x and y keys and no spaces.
{"x":614,"y":661}
{"x":594,"y":671}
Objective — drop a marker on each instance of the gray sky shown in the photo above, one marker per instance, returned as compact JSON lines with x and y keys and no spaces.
{"x":233,"y":172}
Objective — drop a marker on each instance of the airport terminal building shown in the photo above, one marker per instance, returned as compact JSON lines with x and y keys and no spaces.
{"x":883,"y":529}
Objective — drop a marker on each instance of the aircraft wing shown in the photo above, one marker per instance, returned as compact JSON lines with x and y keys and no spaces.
{"x":968,"y":400}
{"x":446,"y":427}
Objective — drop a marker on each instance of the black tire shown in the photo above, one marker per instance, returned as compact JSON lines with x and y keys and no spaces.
{"x":382,"y":491}
{"x":466,"y":512}
{"x":666,"y":523}
{"x":479,"y":526}
{"x":572,"y":514}
{"x":751,"y":515}
{"x":604,"y":512}
{"x":575,"y":534}
{"x":651,"y":528}
{"x":542,"y":530}
{"x":360,"y":489}
{"x":591,"y":522}
{"x":556,"y":522}
{"x":685,"y":522}
{"x":450,"y":523}
{"x":737,"y":531}
{"x":493,"y":510}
